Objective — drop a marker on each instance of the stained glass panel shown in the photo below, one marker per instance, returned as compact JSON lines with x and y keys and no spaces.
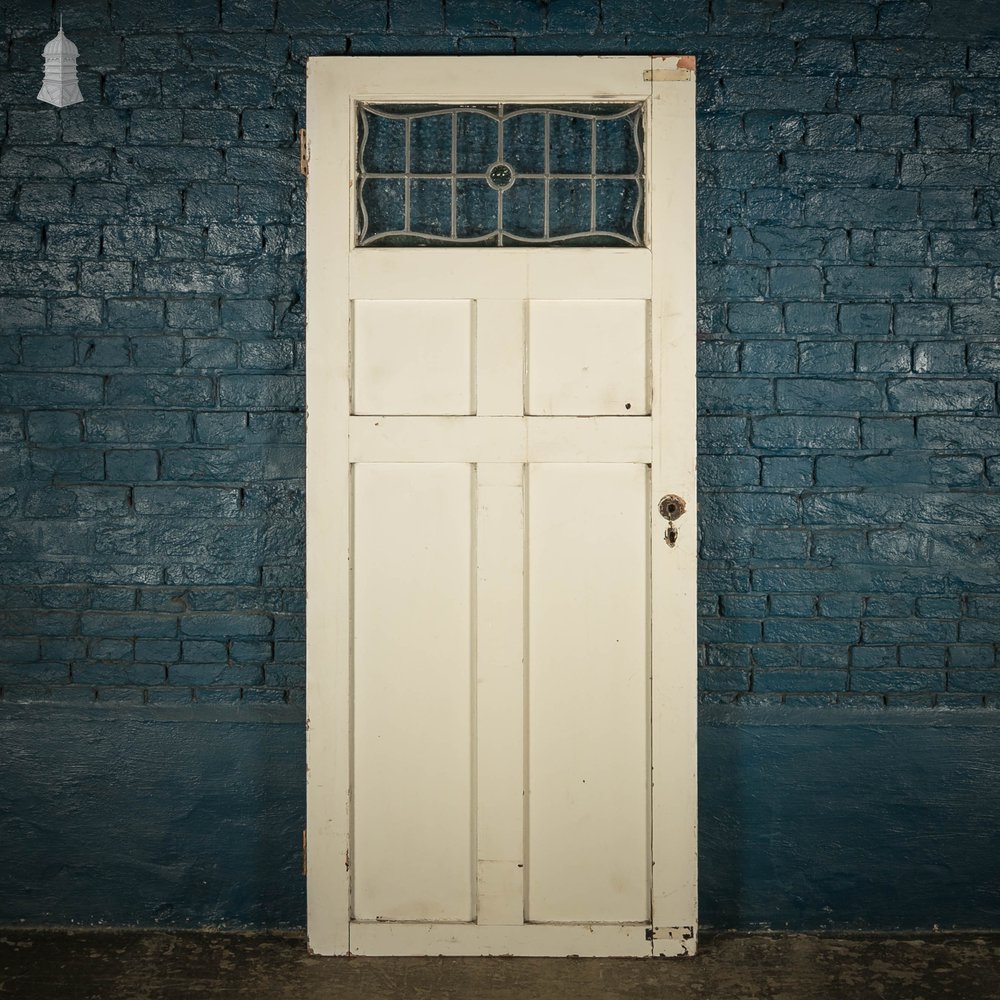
{"x":500,"y":175}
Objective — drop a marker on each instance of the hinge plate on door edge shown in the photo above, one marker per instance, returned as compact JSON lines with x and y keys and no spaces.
{"x":305,"y":853}
{"x":661,"y":75}
{"x":670,"y":933}
{"x":303,"y":153}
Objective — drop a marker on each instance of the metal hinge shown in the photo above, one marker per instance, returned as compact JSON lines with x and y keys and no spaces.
{"x":660,"y":75}
{"x":304,"y":853}
{"x":669,"y":933}
{"x":303,"y":153}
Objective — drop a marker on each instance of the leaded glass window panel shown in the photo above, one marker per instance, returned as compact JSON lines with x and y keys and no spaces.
{"x":500,"y":175}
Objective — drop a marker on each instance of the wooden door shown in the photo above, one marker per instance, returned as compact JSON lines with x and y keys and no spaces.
{"x":501,"y":639}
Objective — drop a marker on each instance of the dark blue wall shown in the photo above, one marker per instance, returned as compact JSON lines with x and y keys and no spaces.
{"x":151,"y":430}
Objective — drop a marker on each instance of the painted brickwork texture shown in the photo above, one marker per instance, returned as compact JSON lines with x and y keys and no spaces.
{"x":152,"y":338}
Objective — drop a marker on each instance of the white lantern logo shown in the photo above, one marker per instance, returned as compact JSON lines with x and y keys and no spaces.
{"x":60,"y":86}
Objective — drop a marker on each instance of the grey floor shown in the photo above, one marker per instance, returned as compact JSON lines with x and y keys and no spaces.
{"x":160,"y":965}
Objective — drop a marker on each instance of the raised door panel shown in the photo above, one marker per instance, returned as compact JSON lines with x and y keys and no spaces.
{"x":588,"y":706}
{"x":412,"y":749}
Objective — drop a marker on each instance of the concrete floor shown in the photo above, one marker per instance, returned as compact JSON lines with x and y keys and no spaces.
{"x":161,"y":965}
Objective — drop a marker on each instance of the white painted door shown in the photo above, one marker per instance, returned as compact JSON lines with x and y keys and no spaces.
{"x":501,"y":641}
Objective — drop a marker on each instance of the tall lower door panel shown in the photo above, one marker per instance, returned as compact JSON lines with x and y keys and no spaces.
{"x":413,"y":720}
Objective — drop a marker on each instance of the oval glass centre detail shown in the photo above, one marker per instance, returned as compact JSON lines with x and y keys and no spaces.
{"x":500,"y":176}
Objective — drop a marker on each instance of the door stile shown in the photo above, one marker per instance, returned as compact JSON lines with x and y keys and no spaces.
{"x":328,"y":525}
{"x":671,"y":181}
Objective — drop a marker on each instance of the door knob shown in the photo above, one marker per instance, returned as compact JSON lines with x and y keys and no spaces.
{"x":671,"y":508}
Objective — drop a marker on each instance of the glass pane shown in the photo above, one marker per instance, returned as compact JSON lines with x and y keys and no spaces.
{"x":617,"y":203}
{"x":430,"y":145}
{"x":475,"y":209}
{"x":570,"y":144}
{"x":381,"y":207}
{"x":430,"y":207}
{"x":384,"y":146}
{"x":569,"y":207}
{"x":524,"y":143}
{"x":477,"y":142}
{"x":432,"y":175}
{"x":617,"y":146}
{"x":524,"y":209}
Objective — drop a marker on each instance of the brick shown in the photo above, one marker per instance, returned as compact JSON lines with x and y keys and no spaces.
{"x":161,"y":351}
{"x":929,"y":395}
{"x":971,"y":655}
{"x":735,"y":395}
{"x":728,"y":470}
{"x":54,"y":426}
{"x":767,"y":205}
{"x":50,"y":389}
{"x":887,"y":132}
{"x":885,"y":283}
{"x":984,"y":358}
{"x":47,"y":352}
{"x":871,"y":657}
{"x":216,"y":626}
{"x":262,"y":391}
{"x":810,"y":318}
{"x":787,"y":472}
{"x":825,"y":357}
{"x":944,"y":131}
{"x":156,"y":125}
{"x":897,"y":680}
{"x":828,"y":394}
{"x":957,"y":470}
{"x":768,"y":356}
{"x":883,"y":357}
{"x":183,"y":243}
{"x":131,"y":466}
{"x":792,"y":605}
{"x":858,"y":508}
{"x":862,"y":169}
{"x":948,"y":170}
{"x":755,"y":318}
{"x":813,"y":679}
{"x":860,"y":94}
{"x":214,"y":126}
{"x":722,"y":432}
{"x":923,"y":656}
{"x":181,"y":501}
{"x":714,"y":357}
{"x":864,"y":319}
{"x":267,"y":125}
{"x":811,"y":630}
{"x":973,"y":680}
{"x":805,"y":432}
{"x":728,"y":630}
{"x":825,"y":55}
{"x":209,"y":353}
{"x":939,"y":357}
{"x":871,"y":470}
{"x":99,"y":278}
{"x":159,"y":390}
{"x":210,"y":279}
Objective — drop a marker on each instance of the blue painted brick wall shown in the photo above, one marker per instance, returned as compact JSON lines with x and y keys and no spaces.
{"x":152,"y":338}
